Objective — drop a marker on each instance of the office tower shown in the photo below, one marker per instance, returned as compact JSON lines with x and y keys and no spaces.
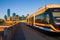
{"x":14,"y":14}
{"x":16,"y":18}
{"x":9,"y":18}
{"x":8,"y":12}
{"x":5,"y":17}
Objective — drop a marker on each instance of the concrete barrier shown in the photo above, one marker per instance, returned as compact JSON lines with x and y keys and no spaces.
{"x":9,"y":32}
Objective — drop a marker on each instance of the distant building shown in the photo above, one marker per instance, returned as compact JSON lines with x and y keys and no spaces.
{"x":5,"y":17}
{"x":8,"y":12}
{"x":9,"y":18}
{"x":16,"y":18}
{"x":14,"y":14}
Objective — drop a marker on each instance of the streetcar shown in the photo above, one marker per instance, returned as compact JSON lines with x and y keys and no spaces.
{"x":46,"y":18}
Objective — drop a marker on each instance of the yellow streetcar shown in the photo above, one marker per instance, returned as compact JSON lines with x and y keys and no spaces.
{"x":46,"y":18}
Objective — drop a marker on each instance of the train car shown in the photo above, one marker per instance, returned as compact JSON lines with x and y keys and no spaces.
{"x":46,"y":18}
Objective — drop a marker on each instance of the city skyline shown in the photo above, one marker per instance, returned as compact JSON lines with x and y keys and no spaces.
{"x":23,"y":7}
{"x":14,"y":17}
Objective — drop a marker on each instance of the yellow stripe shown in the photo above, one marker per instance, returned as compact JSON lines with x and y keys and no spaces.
{"x":46,"y":25}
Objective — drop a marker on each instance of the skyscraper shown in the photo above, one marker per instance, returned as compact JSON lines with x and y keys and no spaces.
{"x":8,"y":12}
{"x":5,"y":17}
{"x":14,"y":14}
{"x":16,"y":18}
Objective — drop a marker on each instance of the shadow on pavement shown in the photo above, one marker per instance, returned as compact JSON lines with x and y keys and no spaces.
{"x":52,"y":34}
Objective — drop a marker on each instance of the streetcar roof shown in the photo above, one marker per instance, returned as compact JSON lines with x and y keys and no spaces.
{"x":44,"y":8}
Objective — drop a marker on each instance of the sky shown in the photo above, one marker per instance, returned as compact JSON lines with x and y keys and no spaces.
{"x":23,"y":7}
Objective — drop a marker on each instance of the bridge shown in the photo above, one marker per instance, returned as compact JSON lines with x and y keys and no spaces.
{"x":22,"y":31}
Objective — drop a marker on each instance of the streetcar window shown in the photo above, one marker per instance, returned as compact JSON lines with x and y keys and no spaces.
{"x":56,"y":17}
{"x":47,"y":18}
{"x":39,"y":18}
{"x":56,"y":14}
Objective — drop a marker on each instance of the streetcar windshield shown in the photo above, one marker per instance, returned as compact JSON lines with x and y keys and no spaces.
{"x":56,"y":17}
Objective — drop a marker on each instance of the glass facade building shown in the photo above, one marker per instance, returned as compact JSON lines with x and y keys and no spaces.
{"x":14,"y":14}
{"x":8,"y":12}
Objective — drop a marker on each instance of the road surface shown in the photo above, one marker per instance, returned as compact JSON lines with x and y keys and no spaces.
{"x":24,"y":32}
